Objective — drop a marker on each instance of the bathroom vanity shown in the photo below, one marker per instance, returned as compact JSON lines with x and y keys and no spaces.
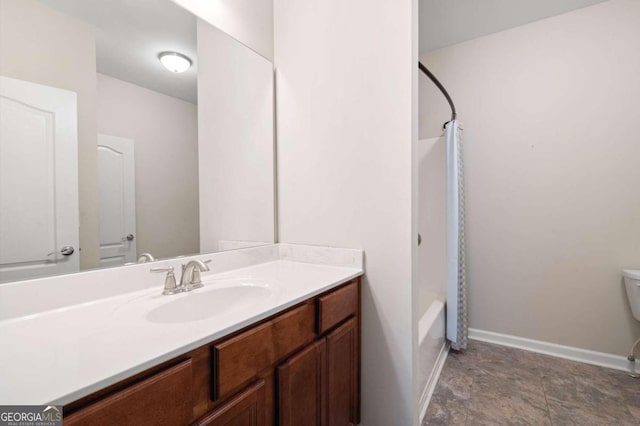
{"x":300,"y":366}
{"x":272,"y":337}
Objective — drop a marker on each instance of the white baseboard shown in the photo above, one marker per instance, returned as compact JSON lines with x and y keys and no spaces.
{"x":600,"y":359}
{"x":433,"y":380}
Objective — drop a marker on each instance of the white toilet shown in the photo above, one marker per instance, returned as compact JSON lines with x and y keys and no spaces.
{"x":632,"y":283}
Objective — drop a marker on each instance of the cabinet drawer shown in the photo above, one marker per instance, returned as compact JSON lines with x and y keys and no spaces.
{"x":162,"y":399}
{"x":238,"y":360}
{"x":337,"y":306}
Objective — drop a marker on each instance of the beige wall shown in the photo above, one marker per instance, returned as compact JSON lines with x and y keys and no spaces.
{"x":165,"y":134}
{"x":345,"y":128}
{"x":235,"y":109}
{"x":550,"y":112}
{"x":40,"y":45}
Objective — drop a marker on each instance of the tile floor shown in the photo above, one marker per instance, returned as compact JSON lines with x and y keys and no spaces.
{"x":495,"y":385}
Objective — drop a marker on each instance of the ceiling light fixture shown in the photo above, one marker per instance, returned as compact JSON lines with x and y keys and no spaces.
{"x":175,"y":62}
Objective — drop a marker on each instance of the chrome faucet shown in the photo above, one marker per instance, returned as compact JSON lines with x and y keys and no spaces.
{"x":191,"y":274}
{"x":146,"y":257}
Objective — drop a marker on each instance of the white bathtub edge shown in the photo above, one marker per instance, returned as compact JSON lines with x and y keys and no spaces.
{"x":427,"y":392}
{"x":433,"y":350}
{"x":428,"y":319}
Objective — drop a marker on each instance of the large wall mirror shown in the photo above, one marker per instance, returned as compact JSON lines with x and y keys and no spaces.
{"x":129,"y":131}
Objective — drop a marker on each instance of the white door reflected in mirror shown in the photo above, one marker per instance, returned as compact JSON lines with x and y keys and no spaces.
{"x":116,"y":200}
{"x":38,"y":211}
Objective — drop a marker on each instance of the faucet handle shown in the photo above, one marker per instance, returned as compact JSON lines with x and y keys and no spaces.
{"x":170,"y":286}
{"x":195,"y":280}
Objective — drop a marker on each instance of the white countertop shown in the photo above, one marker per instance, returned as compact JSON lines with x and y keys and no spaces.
{"x":60,"y":355}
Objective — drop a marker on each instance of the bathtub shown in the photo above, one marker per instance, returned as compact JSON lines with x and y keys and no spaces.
{"x":432,"y":347}
{"x":432,"y":267}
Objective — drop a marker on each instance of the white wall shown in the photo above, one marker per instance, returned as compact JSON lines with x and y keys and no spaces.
{"x":345,"y":103}
{"x":40,"y":45}
{"x":165,"y":134}
{"x":248,"y":21}
{"x":550,"y":112}
{"x":236,"y":152}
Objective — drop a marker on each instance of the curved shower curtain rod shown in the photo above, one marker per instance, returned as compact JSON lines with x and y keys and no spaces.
{"x":442,"y":89}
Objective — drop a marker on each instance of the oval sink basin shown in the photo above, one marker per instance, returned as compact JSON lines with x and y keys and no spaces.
{"x":200,"y":305}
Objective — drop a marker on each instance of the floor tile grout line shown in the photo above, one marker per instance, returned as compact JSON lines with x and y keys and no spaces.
{"x":622,"y":394}
{"x":546,"y":401}
{"x":468,"y":403}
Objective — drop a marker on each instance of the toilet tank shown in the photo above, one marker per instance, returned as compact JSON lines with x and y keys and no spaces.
{"x":632,"y":284}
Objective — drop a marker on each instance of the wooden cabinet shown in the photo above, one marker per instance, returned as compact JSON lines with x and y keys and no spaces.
{"x":299,"y":367}
{"x":301,"y":387}
{"x":335,"y":307}
{"x":162,"y":399}
{"x":238,"y":360}
{"x":245,"y":409}
{"x":342,"y":375}
{"x":319,"y":385}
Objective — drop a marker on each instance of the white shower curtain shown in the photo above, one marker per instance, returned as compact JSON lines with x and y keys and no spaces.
{"x":457,"y":328}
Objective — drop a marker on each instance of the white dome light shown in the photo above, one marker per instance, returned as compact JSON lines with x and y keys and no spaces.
{"x":175,"y":62}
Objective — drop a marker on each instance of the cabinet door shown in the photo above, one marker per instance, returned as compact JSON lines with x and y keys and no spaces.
{"x":301,"y":387}
{"x":244,"y":409}
{"x":342,"y":375}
